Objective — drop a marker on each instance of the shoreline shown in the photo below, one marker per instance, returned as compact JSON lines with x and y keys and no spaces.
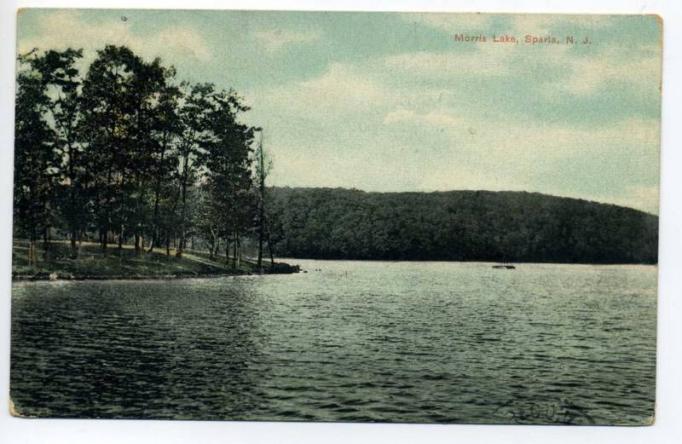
{"x":94,"y":265}
{"x":281,"y":268}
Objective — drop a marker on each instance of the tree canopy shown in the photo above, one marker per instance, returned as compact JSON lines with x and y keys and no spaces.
{"x":457,"y":225}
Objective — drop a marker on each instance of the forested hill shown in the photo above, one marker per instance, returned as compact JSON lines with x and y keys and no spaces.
{"x":457,"y":225}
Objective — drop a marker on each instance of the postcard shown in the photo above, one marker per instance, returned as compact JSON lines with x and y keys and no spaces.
{"x":336,"y":216}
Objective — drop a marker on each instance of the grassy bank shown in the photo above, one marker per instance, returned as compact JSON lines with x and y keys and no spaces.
{"x":93,"y":263}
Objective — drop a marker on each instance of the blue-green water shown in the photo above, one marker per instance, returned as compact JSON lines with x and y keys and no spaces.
{"x":346,"y":341}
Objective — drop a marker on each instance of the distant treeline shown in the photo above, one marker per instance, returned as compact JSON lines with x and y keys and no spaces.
{"x":122,"y":152}
{"x":457,"y":225}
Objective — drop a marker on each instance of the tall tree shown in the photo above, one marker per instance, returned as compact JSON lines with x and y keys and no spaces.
{"x":62,"y":79}
{"x":150,"y":127}
{"x":228,"y":168}
{"x":166,"y":129}
{"x":196,"y":134}
{"x":108,"y":106}
{"x":35,"y":162}
{"x":262,"y":170}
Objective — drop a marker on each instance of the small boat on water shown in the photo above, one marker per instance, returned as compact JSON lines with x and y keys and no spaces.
{"x":505,"y":267}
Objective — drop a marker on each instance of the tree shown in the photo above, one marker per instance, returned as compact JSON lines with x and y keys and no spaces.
{"x":262,"y":170}
{"x":107,"y":106}
{"x":153,"y":125}
{"x":195,"y":136}
{"x":228,"y":168}
{"x":62,"y":81}
{"x":166,"y":129}
{"x":35,"y":161}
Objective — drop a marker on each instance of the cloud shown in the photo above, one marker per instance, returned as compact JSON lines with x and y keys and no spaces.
{"x":516,"y":24}
{"x":587,"y":75}
{"x":436,"y":118}
{"x":486,"y":60}
{"x":276,"y":39}
{"x":184,"y":42}
{"x":342,"y":89}
{"x":451,"y":23}
{"x":544,"y":24}
{"x":66,"y":28}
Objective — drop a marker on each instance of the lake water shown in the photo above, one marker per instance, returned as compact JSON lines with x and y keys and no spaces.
{"x":346,"y":341}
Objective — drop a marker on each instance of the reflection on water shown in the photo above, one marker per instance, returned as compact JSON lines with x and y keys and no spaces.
{"x":355,"y":341}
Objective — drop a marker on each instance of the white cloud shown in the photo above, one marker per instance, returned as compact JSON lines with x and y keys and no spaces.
{"x":544,"y":24}
{"x":184,"y":42}
{"x":580,"y":75}
{"x":65,"y":28}
{"x":486,"y":60}
{"x":276,"y":39}
{"x":453,"y":23}
{"x":435,"y":118}
{"x":519,"y":24}
{"x":342,"y":89}
{"x":588,"y":74}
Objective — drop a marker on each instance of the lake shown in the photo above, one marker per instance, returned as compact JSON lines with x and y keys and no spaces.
{"x":345,"y":341}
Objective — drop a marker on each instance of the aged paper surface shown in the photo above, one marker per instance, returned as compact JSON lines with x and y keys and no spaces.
{"x":332,"y":216}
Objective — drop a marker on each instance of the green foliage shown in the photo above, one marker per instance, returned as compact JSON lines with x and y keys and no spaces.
{"x":457,"y":225}
{"x":35,"y":158}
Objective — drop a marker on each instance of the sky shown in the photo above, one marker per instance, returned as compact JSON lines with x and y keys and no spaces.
{"x":393,"y":102}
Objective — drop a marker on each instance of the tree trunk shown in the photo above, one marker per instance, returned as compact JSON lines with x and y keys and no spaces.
{"x":261,"y":235}
{"x":235,"y":251}
{"x":74,"y":247}
{"x":183,"y":212}
{"x":105,"y":238}
{"x":152,"y":242}
{"x":157,"y":196}
{"x":72,"y":196}
{"x":46,"y":245}
{"x":239,"y":251}
{"x":120,"y":240}
{"x":261,"y":207}
{"x":211,"y":245}
{"x":272,"y":256}
{"x":32,"y":259}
